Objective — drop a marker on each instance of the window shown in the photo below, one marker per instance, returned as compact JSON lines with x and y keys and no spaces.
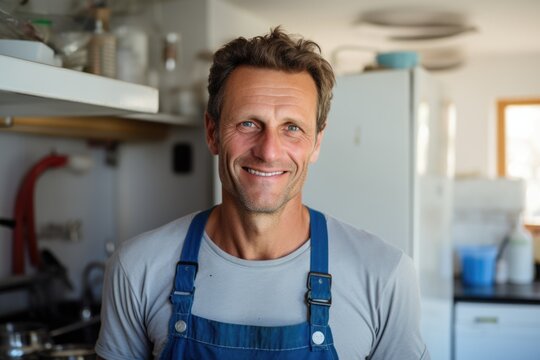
{"x":519,"y":150}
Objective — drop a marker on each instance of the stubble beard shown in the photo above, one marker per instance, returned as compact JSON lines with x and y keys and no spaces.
{"x":253,"y":206}
{"x":247,"y":202}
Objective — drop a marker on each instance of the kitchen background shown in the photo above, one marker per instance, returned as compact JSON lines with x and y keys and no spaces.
{"x":132,"y":186}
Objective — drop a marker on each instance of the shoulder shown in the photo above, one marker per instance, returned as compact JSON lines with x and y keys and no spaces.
{"x":135,"y":292}
{"x":155,"y":250}
{"x":361,"y":250}
{"x":368,"y":275}
{"x":165,"y":235}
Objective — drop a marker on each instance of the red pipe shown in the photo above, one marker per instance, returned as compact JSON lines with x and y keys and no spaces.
{"x":24,"y":213}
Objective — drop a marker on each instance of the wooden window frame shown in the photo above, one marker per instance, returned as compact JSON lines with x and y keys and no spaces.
{"x":501,"y":140}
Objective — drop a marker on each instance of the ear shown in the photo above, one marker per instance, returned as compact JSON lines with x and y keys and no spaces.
{"x":315,"y":154}
{"x":211,"y":134}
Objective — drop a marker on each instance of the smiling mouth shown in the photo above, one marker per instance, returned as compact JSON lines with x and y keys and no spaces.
{"x":263,"y":173}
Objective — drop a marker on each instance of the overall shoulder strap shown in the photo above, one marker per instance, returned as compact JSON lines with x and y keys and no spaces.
{"x":186,"y":268}
{"x":192,"y":243}
{"x":319,"y":242}
{"x":183,"y":290}
{"x":319,"y":282}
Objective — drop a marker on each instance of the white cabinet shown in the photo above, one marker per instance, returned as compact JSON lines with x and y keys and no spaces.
{"x":497,"y":331}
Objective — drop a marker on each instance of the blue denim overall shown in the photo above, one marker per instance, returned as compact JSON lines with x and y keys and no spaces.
{"x":193,"y":337}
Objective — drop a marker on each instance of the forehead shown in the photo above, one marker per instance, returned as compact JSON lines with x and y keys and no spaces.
{"x":255,"y":86}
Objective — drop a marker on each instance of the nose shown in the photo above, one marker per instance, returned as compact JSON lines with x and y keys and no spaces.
{"x":268,"y":147}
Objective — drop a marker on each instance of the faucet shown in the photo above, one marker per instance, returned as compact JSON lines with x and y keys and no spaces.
{"x":87,"y":296}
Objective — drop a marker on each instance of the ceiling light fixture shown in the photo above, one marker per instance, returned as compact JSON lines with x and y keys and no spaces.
{"x":438,"y":35}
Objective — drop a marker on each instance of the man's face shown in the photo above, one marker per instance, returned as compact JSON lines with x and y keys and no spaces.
{"x":266,"y":138}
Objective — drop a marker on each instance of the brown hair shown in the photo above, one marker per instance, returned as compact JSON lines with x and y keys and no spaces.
{"x":276,"y":50}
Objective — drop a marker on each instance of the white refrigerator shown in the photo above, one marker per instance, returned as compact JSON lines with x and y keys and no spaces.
{"x":386,"y":166}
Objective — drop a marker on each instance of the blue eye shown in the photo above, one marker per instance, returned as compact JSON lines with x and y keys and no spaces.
{"x":292,"y":128}
{"x":247,"y":123}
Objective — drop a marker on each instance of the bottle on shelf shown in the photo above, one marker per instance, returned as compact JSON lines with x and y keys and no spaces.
{"x":102,"y":46}
{"x":519,"y":254}
{"x":168,"y":77}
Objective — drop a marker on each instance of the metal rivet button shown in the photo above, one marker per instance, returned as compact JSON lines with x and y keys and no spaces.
{"x":317,"y":337}
{"x":180,"y":326}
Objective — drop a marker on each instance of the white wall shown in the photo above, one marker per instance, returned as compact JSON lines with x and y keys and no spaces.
{"x":227,"y":21}
{"x":150,"y":194}
{"x":475,"y":89}
{"x":60,"y":196}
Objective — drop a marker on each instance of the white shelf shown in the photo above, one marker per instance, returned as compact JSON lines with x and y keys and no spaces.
{"x":32,"y":89}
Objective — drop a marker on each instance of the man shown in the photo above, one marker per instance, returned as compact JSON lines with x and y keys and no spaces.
{"x":261,"y":275}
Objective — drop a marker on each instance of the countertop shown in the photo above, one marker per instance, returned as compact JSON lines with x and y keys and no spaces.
{"x":498,"y":293}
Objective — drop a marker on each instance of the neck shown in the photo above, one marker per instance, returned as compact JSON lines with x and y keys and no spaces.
{"x":259,"y":236}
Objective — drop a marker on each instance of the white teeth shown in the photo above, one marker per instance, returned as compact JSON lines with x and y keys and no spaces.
{"x":260,"y":173}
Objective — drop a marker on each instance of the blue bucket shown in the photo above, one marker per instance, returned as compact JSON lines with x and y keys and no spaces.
{"x":478,"y":264}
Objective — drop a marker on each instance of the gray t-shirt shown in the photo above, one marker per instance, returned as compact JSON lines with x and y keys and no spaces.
{"x":375,"y":304}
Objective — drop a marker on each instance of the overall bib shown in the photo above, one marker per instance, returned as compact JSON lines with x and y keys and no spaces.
{"x":193,"y":337}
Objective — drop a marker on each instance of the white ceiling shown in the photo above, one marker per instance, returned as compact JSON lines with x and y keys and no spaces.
{"x":504,"y":26}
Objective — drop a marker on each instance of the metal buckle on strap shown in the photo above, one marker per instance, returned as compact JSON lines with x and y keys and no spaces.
{"x":309,"y":299}
{"x":314,"y":273}
{"x":323,"y":302}
{"x":189,"y":263}
{"x":179,"y":296}
{"x":175,"y":293}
